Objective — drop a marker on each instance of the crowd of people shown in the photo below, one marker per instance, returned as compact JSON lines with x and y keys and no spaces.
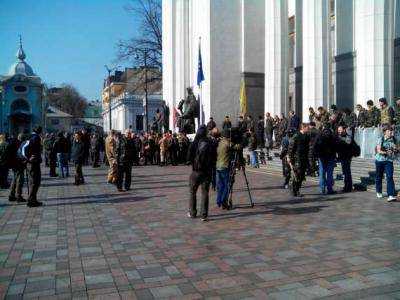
{"x":310,"y":148}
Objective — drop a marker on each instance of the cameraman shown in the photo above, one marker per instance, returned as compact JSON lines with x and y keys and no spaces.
{"x":386,"y":152}
{"x":202,"y":157}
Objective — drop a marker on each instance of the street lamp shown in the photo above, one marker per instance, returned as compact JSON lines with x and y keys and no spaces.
{"x":144,"y":52}
{"x":109,"y":93}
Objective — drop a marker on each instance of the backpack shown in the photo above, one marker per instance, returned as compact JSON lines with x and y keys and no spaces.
{"x":202,"y":157}
{"x":21,"y":152}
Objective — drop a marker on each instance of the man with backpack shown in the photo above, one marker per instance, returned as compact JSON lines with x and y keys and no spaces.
{"x":202,"y":156}
{"x":18,"y":165}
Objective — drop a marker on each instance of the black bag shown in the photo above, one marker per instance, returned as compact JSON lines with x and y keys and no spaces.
{"x":355,"y":149}
{"x":202,"y":157}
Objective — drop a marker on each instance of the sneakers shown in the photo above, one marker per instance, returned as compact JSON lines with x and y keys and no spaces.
{"x":379,"y":195}
{"x":204,"y":219}
{"x":391,"y":199}
{"x":190,"y":216}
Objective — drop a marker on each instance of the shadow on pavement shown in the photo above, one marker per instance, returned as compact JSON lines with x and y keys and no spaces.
{"x":275,"y":210}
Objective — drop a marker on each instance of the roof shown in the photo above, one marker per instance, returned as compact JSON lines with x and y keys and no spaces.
{"x":21,"y":67}
{"x":53,"y":112}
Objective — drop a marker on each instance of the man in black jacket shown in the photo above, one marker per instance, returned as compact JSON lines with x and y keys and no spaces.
{"x":33,"y":154}
{"x":202,"y":156}
{"x":345,"y":154}
{"x":125,"y":153}
{"x":325,"y":151}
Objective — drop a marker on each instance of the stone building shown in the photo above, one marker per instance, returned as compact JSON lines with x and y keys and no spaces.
{"x":126,"y":91}
{"x":22,"y":96}
{"x":324,"y":52}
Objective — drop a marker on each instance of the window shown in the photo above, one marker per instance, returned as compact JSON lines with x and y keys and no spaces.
{"x":20,"y":89}
{"x":20,"y":105}
{"x":55,"y":121}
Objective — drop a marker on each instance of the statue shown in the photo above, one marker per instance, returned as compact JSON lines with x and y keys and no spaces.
{"x":189,"y":111}
{"x":164,"y":122}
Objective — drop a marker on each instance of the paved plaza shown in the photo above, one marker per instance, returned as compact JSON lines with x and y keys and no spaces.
{"x":91,"y":241}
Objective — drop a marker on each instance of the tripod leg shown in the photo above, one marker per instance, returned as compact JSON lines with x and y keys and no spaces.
{"x":248,"y":188}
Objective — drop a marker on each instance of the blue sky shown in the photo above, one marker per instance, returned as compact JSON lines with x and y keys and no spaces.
{"x":66,"y":41}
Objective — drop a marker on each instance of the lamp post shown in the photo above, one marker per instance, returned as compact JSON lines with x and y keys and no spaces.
{"x":145,"y":52}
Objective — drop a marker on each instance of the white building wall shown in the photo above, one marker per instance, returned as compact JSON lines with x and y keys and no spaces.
{"x":253,"y":35}
{"x":374,"y":34}
{"x":276,"y":57}
{"x":168,"y":56}
{"x":315,"y":54}
{"x":225,"y":58}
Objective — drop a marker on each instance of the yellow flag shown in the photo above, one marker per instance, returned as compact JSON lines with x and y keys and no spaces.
{"x":243,"y":98}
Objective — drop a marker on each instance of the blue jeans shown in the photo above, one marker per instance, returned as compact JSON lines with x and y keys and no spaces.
{"x":387,"y":168}
{"x":62,"y":160}
{"x":253,"y":159}
{"x":346,"y":169}
{"x":326,"y":175}
{"x":222,"y":186}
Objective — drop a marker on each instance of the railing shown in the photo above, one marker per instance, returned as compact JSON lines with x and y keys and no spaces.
{"x":367,"y":139}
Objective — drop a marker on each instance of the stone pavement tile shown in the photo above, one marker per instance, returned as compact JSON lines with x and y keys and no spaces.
{"x":385,"y":278}
{"x":349,"y":284}
{"x":315,"y":291}
{"x":272,"y":275}
{"x":166,"y":291}
{"x":144,"y":294}
{"x":99,"y":279}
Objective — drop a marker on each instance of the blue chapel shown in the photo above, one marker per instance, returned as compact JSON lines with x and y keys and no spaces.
{"x":22,"y":97}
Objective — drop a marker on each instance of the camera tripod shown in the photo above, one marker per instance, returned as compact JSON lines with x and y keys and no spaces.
{"x":232,"y":172}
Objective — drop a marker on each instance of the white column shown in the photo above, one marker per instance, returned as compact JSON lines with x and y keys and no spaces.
{"x":397,"y":19}
{"x":168,"y":57}
{"x":181,"y":49}
{"x":374,"y":34}
{"x":298,"y":59}
{"x":315,"y":54}
{"x":276,"y":56}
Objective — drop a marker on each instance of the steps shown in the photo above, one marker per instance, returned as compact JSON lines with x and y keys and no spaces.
{"x":363,"y":172}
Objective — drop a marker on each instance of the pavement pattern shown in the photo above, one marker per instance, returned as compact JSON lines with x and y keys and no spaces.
{"x":94,"y":242}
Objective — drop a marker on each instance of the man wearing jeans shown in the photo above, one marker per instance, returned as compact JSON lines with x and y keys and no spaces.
{"x":325,"y":151}
{"x":223,"y":159}
{"x":386,"y":152}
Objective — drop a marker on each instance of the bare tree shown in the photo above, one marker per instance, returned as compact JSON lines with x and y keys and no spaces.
{"x":67,"y":99}
{"x":150,"y":34}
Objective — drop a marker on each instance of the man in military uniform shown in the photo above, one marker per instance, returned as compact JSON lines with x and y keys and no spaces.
{"x":95,"y":150}
{"x":397,"y":113}
{"x":297,"y":158}
{"x":361,"y":115}
{"x":372,"y":116}
{"x":387,"y":112}
{"x":283,"y":156}
{"x":312,"y":160}
{"x":33,"y":154}
{"x":110,"y":146}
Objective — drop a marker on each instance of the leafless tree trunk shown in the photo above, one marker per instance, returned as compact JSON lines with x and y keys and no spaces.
{"x":150,"y":34}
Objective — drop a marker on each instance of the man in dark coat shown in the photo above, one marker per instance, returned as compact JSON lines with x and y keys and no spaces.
{"x":125,"y":153}
{"x":33,"y":154}
{"x":260,"y":133}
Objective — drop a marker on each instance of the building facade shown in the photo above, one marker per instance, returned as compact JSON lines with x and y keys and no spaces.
{"x":125,"y":90}
{"x":324,"y":52}
{"x":22,"y":96}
